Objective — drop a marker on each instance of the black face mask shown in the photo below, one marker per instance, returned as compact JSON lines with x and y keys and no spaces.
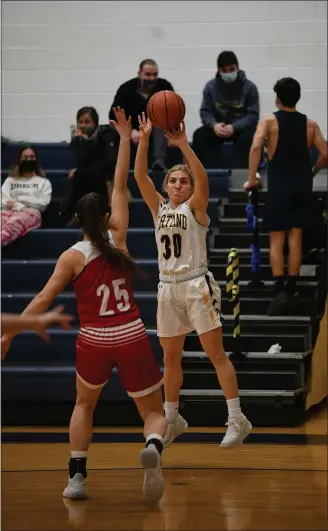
{"x":27,"y":166}
{"x":149,"y":83}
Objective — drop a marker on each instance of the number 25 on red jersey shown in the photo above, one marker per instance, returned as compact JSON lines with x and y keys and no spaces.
{"x":121,"y":297}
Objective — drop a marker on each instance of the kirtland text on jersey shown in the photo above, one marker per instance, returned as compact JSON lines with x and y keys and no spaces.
{"x":172,"y":221}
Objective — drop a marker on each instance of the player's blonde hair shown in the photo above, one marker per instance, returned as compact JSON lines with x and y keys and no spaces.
{"x":179,"y":167}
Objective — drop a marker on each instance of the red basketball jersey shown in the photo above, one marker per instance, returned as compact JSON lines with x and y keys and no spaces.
{"x":104,"y":293}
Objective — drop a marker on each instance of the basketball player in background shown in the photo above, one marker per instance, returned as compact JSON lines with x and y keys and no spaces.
{"x":188,"y":296}
{"x":289,"y":135}
{"x":111,"y":331}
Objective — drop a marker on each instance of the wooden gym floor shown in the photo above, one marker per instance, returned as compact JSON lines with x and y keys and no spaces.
{"x":277,"y":481}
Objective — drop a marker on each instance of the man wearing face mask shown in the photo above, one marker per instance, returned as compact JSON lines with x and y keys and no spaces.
{"x":229,"y":112}
{"x":133,"y":97}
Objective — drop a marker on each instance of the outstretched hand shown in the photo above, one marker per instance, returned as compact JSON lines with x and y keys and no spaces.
{"x":122,"y":125}
{"x":47,"y":319}
{"x":177,"y":137}
{"x":145,"y":126}
{"x":38,"y":323}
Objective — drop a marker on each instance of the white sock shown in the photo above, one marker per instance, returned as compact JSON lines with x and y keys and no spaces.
{"x":234,"y":408}
{"x":78,"y":455}
{"x":171,"y":411}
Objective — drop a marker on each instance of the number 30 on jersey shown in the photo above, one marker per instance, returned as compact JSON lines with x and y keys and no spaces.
{"x":168,"y":245}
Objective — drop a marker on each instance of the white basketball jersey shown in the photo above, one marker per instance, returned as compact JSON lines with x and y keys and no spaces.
{"x":181,"y":240}
{"x":90,"y":252}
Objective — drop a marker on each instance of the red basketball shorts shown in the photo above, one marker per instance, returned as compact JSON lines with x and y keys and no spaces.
{"x":127,"y":347}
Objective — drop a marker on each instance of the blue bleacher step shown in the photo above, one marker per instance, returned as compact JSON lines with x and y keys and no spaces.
{"x":50,"y":243}
{"x":32,"y":275}
{"x":61,"y":347}
{"x":16,"y":302}
{"x":51,"y":154}
{"x":51,"y":381}
{"x":61,"y":185}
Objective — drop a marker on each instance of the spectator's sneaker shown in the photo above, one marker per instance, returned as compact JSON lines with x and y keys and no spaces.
{"x":153,"y":485}
{"x":76,"y":489}
{"x":238,"y":430}
{"x":278,"y":305}
{"x":174,"y":430}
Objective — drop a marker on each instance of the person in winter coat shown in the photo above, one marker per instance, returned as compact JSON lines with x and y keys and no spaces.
{"x":94,"y":148}
{"x":229,"y":111}
{"x":25,"y":194}
{"x":133,"y":96}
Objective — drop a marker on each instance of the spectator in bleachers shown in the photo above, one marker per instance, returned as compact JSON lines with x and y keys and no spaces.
{"x":229,"y":112}
{"x":26,"y":193}
{"x":94,"y":148}
{"x":133,"y":97}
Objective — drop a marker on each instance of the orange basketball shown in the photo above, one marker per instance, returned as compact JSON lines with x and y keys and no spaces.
{"x":166,"y":109}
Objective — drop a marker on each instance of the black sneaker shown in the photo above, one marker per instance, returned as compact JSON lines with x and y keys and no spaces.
{"x":278,"y":305}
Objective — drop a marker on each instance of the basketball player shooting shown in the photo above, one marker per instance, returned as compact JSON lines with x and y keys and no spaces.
{"x":188,"y":296}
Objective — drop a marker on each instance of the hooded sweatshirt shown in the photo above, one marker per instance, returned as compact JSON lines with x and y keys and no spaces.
{"x":234,"y":103}
{"x":27,"y":192}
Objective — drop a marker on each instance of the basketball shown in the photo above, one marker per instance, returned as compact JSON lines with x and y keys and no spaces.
{"x":166,"y":109}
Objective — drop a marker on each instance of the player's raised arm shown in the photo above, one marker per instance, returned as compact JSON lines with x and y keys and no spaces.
{"x":119,"y":220}
{"x":145,"y":184}
{"x":199,"y":200}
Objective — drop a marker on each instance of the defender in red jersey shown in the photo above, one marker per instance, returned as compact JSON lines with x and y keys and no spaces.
{"x":111,"y":331}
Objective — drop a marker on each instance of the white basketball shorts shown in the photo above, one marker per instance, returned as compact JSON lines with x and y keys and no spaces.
{"x":186,"y":306}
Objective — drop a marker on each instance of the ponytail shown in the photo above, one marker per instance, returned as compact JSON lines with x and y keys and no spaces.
{"x":91,"y":211}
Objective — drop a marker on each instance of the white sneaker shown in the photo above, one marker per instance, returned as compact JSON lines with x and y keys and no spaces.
{"x":153,"y":485}
{"x":238,"y":430}
{"x":76,"y":489}
{"x":174,"y":430}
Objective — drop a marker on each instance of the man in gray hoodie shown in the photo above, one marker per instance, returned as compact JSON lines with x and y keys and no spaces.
{"x":229,"y":112}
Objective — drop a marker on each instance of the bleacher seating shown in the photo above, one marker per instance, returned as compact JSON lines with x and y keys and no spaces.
{"x":38,"y":378}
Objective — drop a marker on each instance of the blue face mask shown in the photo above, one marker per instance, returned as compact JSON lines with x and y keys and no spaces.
{"x":229,"y":77}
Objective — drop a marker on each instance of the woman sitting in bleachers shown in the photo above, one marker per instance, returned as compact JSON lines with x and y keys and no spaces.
{"x":26,"y":193}
{"x":94,"y":148}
